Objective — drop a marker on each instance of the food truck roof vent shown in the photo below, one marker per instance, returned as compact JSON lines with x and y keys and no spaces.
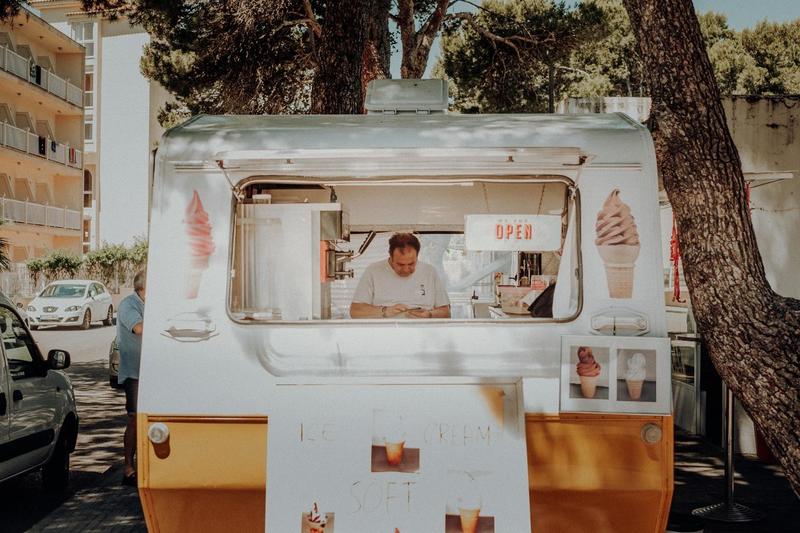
{"x":392,"y":97}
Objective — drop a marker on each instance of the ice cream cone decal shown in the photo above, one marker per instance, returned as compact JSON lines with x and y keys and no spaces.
{"x":634,"y":376}
{"x":618,"y":244}
{"x":588,"y":371}
{"x":201,"y":244}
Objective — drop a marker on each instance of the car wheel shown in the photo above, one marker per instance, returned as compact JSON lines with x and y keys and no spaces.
{"x":87,"y":320}
{"x":55,"y":473}
{"x":109,"y":316}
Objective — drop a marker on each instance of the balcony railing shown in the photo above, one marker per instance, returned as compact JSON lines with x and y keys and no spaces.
{"x":41,"y":215}
{"x":22,"y":67}
{"x":45,"y":147}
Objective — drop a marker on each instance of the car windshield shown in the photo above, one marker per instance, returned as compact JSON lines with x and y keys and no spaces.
{"x":64,"y":291}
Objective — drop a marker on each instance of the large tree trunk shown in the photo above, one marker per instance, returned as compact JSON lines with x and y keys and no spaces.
{"x":752,"y":333}
{"x":377,"y":46}
{"x":337,"y":83}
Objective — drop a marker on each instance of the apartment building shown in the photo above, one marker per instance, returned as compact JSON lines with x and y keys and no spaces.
{"x":121,"y":127}
{"x":41,"y":138}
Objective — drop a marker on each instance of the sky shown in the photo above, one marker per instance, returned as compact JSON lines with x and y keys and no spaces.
{"x":741,"y":14}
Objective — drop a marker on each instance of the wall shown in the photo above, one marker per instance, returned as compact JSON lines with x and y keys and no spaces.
{"x":124,"y":123}
{"x":767,"y":132}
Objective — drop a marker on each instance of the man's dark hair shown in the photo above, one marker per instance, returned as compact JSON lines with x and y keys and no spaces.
{"x":403,"y":240}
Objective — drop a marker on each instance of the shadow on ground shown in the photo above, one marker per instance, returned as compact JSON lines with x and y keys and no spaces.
{"x":699,"y":481}
{"x":97,"y":456}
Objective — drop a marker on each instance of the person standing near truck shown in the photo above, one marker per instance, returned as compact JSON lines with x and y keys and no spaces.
{"x":130,"y":320}
{"x":401,"y":285}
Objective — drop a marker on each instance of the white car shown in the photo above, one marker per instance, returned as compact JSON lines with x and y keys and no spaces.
{"x":38,"y":417}
{"x":71,"y":303}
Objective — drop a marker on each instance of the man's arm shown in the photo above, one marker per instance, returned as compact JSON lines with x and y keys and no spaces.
{"x":443,"y":311}
{"x":362,"y":310}
{"x":130,"y":318}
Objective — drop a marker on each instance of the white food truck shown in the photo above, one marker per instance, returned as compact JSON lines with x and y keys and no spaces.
{"x":542,"y":403}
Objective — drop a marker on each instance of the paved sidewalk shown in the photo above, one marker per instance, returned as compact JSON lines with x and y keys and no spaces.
{"x":107,"y":507}
{"x":699,"y":481}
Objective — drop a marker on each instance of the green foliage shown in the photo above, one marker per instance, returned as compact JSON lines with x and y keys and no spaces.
{"x":502,"y":59}
{"x":106,"y":263}
{"x":610,"y":66}
{"x":762,"y":60}
{"x":137,"y":254}
{"x":35,"y":269}
{"x":61,"y":264}
{"x":5,"y":260}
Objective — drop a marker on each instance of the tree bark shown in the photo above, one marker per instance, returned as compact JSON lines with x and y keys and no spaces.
{"x":752,"y":333}
{"x":416,"y":45}
{"x":377,"y":46}
{"x":336,"y":88}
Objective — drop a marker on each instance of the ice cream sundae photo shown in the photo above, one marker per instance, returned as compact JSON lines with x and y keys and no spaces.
{"x":635,"y":374}
{"x":201,"y":244}
{"x":618,"y":244}
{"x":588,"y":371}
{"x":316,"y":521}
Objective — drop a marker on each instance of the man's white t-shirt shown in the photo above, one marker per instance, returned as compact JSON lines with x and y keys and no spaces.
{"x":380,"y":285}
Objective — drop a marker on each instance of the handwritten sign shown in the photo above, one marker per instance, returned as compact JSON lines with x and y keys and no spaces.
{"x":438,"y":458}
{"x":526,"y":233}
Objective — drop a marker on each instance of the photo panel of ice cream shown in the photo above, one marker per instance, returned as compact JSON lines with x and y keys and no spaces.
{"x":393,"y":448}
{"x":589,"y":372}
{"x":468,"y":508}
{"x":617,"y":241}
{"x":316,"y":520}
{"x":636,"y":375}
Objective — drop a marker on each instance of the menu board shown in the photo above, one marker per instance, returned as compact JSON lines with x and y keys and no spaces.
{"x":397,"y":458}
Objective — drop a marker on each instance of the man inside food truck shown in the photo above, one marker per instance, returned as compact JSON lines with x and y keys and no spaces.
{"x":401,"y":286}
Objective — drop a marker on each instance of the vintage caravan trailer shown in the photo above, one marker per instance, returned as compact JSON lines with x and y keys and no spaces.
{"x":265,"y":405}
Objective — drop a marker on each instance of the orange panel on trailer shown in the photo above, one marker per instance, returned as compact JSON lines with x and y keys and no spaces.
{"x":596,"y":473}
{"x":210,"y":474}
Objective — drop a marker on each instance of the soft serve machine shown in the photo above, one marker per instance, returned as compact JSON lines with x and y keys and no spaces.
{"x":287,"y":258}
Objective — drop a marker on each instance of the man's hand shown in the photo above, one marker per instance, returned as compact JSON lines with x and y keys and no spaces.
{"x":394,"y":310}
{"x":420,"y":313}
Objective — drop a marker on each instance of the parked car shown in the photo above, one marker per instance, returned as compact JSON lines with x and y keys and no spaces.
{"x":113,"y":365}
{"x":71,"y":303}
{"x":23,"y":315}
{"x":38,"y":417}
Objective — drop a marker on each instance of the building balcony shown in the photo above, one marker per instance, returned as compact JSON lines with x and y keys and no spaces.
{"x":22,"y":67}
{"x":44,"y":147}
{"x":25,"y":212}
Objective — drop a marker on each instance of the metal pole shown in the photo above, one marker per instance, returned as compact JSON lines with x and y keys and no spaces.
{"x":729,"y":511}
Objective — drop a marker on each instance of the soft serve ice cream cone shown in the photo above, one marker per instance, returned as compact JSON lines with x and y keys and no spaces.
{"x":469,"y":510}
{"x":201,"y":244}
{"x":618,"y":244}
{"x":634,"y":376}
{"x":588,"y":371}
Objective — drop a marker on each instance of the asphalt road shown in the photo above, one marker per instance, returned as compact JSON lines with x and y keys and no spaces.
{"x":102,"y":421}
{"x":83,"y":345}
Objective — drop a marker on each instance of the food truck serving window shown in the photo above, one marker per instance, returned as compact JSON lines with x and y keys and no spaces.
{"x":489,"y":249}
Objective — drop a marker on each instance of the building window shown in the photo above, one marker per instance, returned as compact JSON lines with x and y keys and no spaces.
{"x":88,"y":89}
{"x":84,"y":33}
{"x":88,"y":128}
{"x":87,"y":225}
{"x":87,"y":189}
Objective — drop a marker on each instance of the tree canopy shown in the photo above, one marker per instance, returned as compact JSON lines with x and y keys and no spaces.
{"x":509,"y":56}
{"x":761,"y":60}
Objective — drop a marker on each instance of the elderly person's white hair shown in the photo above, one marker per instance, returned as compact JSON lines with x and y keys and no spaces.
{"x":139,"y":280}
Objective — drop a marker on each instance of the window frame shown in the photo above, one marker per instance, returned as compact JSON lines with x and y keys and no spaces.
{"x":575,"y":199}
{"x":34,"y":367}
